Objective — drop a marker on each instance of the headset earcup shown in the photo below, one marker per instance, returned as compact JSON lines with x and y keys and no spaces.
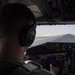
{"x":27,"y":36}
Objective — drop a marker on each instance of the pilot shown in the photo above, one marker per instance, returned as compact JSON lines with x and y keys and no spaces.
{"x":17,"y":33}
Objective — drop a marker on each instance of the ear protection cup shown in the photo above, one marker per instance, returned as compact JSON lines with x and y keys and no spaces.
{"x":27,"y":35}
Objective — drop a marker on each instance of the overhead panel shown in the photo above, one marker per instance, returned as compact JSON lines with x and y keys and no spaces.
{"x":50,"y":11}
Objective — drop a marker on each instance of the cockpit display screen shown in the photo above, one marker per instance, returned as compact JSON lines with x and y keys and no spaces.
{"x":52,"y":59}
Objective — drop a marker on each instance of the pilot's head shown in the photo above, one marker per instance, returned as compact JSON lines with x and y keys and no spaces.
{"x":17,"y":29}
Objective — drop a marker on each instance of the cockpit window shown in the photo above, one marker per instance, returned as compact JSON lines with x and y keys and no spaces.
{"x":54,"y":33}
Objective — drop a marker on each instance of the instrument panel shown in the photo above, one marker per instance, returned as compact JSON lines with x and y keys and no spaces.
{"x":59,"y":54}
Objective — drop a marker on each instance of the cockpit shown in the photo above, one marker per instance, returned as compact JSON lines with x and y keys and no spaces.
{"x":57,"y":48}
{"x":55,"y":34}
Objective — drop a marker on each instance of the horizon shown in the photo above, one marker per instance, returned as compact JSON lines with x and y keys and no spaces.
{"x":47,"y":35}
{"x":63,"y":38}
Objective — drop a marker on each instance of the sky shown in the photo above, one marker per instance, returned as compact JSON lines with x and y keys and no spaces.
{"x":56,"y":29}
